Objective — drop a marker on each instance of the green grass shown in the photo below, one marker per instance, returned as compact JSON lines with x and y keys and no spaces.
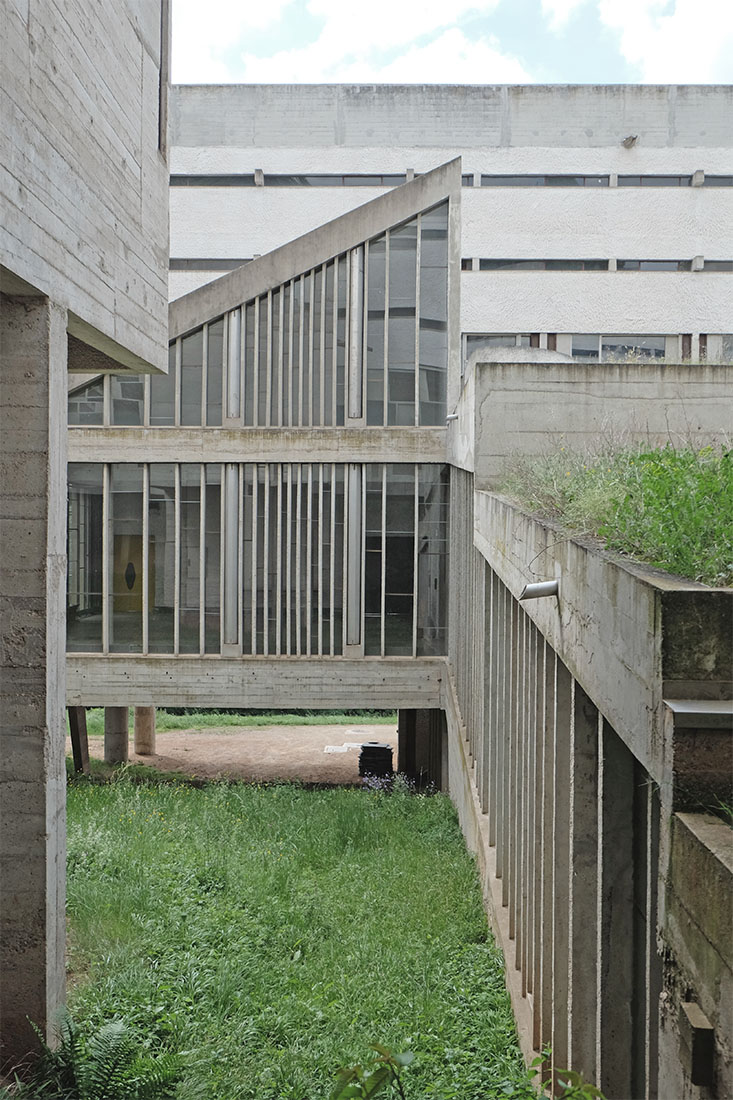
{"x":273,"y":933}
{"x":671,"y":508}
{"x":209,"y":719}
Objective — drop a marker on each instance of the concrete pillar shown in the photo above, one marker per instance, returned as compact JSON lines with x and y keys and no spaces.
{"x":583,"y":991}
{"x":145,"y":731}
{"x":33,"y":350}
{"x":116,"y":735}
{"x":614,"y":1031}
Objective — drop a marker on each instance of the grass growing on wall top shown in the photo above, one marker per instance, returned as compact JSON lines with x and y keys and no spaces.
{"x":273,"y":933}
{"x":671,"y":508}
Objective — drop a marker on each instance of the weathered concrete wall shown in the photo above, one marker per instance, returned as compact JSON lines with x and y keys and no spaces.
{"x":32,"y":674}
{"x":578,"y":724}
{"x":535,"y":408}
{"x":470,"y":116}
{"x":256,"y":683}
{"x":698,"y":950}
{"x":85,"y":183}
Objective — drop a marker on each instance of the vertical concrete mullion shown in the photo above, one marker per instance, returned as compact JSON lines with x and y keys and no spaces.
{"x":491,"y":700}
{"x":561,"y":831}
{"x":501,"y":728}
{"x":106,"y":556}
{"x":177,"y":557}
{"x":530,"y":927}
{"x":512,"y":734}
{"x":33,"y":346}
{"x":309,"y":560}
{"x":202,"y":559}
{"x":146,"y":557}
{"x":614,"y":1040}
{"x":320,"y":553}
{"x":383,"y":563}
{"x":583,"y":988}
{"x":486,"y":689}
{"x":279,"y":561}
{"x":289,"y":560}
{"x":548,"y":843}
{"x":332,"y":561}
{"x":524,"y":754}
{"x":539,"y":834}
{"x":415,"y":521}
{"x":653,"y":983}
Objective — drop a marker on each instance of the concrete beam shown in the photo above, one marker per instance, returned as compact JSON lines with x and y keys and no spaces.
{"x":255,"y":683}
{"x":404,"y":444}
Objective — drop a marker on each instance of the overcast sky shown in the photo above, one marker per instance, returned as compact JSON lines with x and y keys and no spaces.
{"x":452,"y":41}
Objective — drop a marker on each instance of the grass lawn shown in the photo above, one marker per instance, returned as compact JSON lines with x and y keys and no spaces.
{"x":273,"y":933}
{"x":210,"y":719}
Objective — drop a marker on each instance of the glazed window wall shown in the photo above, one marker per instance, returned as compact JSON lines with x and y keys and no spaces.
{"x":360,"y":339}
{"x":278,"y":559}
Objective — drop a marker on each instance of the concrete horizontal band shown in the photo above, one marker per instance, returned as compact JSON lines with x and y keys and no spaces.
{"x":257,"y":444}
{"x":254,"y":682}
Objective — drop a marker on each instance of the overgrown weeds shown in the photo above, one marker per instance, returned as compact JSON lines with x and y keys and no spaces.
{"x":270,"y":931}
{"x":671,"y":508}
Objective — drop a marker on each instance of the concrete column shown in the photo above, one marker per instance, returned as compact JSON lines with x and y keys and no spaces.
{"x":583,"y":885}
{"x":33,"y":350}
{"x":145,"y":731}
{"x":614,"y":1035}
{"x":116,"y":735}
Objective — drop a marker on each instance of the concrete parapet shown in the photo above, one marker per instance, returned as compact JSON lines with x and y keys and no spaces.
{"x":535,"y":407}
{"x":698,"y":947}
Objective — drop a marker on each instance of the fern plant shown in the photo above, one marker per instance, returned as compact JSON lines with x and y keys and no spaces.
{"x":106,"y":1065}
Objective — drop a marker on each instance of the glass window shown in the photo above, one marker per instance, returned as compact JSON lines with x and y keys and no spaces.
{"x":632,"y":347}
{"x":212,"y":181}
{"x":341,"y":342}
{"x":717,"y":181}
{"x":163,"y":393}
{"x":433,"y":330}
{"x":328,"y":349}
{"x":84,"y":553}
{"x":190,"y":557}
{"x":192,"y":352}
{"x":585,"y":346}
{"x":718,"y":265}
{"x":376,"y":283}
{"x":374,"y":548}
{"x":214,"y":372}
{"x":86,"y":404}
{"x":127,"y":395}
{"x":249,"y":363}
{"x":401,"y":324}
{"x":432,"y":560}
{"x":161,"y":557}
{"x":212,"y":560}
{"x":126,"y":550}
{"x":511,"y":265}
{"x":399,"y":566}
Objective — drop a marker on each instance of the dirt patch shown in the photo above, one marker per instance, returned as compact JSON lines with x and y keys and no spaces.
{"x":262,"y":754}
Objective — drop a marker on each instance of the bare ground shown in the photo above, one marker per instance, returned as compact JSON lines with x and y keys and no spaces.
{"x":261,"y":754}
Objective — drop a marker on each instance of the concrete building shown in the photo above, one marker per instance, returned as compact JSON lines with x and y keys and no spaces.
{"x":304,"y":509}
{"x":83,"y":247}
{"x":595,"y":220}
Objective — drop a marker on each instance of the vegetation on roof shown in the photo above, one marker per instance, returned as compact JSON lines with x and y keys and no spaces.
{"x":669,"y":507}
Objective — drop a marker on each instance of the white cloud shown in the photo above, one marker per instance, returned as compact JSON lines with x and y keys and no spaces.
{"x":389,"y":23}
{"x":201,"y":32}
{"x":558,"y":12}
{"x":451,"y":58}
{"x":687,"y":41}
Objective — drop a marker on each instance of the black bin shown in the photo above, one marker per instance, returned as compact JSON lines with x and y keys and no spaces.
{"x":376,"y":759}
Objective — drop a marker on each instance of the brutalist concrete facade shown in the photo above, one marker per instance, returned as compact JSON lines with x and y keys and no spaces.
{"x":83,"y":242}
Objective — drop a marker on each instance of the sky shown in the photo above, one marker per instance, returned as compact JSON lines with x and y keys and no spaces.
{"x":453,"y":41}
